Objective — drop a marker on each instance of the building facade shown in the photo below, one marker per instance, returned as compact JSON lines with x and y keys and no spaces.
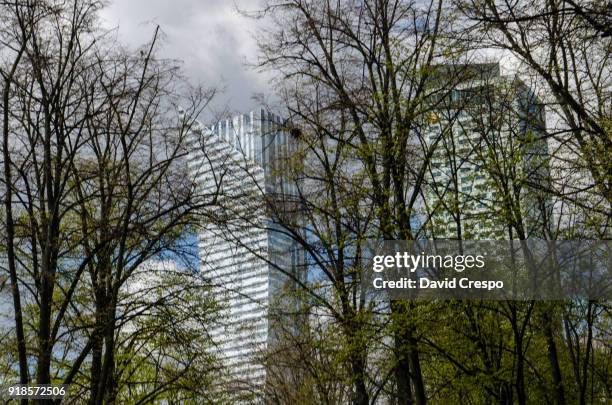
{"x":244,"y":251}
{"x":489,"y":157}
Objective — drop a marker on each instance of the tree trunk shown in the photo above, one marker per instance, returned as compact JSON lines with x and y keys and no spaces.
{"x":553,"y":358}
{"x":10,"y":234}
{"x":408,"y":367}
{"x":361,"y":396}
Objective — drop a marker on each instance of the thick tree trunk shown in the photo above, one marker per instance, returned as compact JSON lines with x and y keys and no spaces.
{"x":107,"y":387}
{"x":357,"y":352}
{"x":408,"y":371}
{"x":553,"y":358}
{"x":519,"y":358}
{"x":96,"y":359}
{"x":361,"y":396}
{"x":10,"y":235}
{"x":402,"y":374}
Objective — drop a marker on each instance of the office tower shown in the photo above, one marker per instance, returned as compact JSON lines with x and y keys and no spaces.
{"x":243,"y":249}
{"x":487,"y":136}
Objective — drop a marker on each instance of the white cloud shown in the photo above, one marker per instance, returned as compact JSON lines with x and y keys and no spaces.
{"x":212,"y":38}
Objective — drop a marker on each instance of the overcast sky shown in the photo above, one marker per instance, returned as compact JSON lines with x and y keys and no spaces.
{"x":210,"y":36}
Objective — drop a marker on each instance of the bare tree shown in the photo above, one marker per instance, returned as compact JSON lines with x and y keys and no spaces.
{"x":96,"y":184}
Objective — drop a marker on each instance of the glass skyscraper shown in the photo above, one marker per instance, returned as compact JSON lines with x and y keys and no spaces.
{"x":487,"y":135}
{"x":244,"y":250}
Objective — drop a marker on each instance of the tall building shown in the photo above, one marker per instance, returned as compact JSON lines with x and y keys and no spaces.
{"x":243,"y":249}
{"x":487,"y":137}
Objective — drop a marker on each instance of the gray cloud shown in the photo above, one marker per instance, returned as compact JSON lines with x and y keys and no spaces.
{"x":210,"y":36}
